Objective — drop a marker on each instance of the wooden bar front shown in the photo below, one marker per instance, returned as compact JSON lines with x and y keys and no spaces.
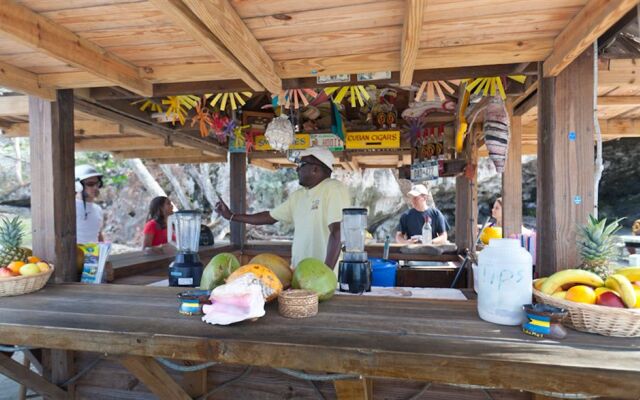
{"x":424,"y":340}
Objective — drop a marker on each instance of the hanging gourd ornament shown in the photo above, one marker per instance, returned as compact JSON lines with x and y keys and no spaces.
{"x":279,"y":133}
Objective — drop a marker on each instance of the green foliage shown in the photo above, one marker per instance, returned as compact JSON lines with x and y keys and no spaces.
{"x":115,"y":171}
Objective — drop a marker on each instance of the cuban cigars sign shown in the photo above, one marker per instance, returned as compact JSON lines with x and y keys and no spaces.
{"x":301,"y":142}
{"x":373,"y":140}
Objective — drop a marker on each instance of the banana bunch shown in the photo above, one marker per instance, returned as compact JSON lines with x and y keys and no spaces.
{"x":623,"y":287}
{"x":570,"y":276}
{"x":631,"y":273}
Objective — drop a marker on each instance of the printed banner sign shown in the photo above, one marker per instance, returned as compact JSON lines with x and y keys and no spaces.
{"x":302,"y":141}
{"x":373,"y":140}
{"x":328,"y":140}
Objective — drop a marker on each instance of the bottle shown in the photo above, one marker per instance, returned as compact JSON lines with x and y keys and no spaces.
{"x":426,"y":231}
{"x":505,"y":280}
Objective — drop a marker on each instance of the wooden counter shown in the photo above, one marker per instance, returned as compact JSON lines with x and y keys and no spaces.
{"x":424,"y":340}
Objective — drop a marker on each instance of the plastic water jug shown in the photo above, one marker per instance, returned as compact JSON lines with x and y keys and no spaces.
{"x":504,"y":281}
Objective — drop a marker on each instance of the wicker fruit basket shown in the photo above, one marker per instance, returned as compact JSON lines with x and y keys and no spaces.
{"x":297,"y":303}
{"x":24,"y":284}
{"x":606,"y":321}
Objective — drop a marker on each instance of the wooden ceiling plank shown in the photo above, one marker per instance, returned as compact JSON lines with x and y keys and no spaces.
{"x":618,"y":100}
{"x":594,"y":19}
{"x":24,"y":82}
{"x":184,"y":17}
{"x":167,"y":152}
{"x":412,"y":29}
{"x":428,"y":58}
{"x":188,"y":160}
{"x":13,"y":106}
{"x":223,"y":21}
{"x":31,"y":29}
{"x":110,"y":143}
{"x":81,"y":128}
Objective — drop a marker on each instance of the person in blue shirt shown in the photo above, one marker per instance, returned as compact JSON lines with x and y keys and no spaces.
{"x":411,"y":222}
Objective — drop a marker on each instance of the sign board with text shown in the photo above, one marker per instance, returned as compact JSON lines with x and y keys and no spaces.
{"x":302,"y":141}
{"x":373,"y":140}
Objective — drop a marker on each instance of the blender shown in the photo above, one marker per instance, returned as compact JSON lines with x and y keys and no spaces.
{"x":354,"y":273}
{"x":186,"y":269}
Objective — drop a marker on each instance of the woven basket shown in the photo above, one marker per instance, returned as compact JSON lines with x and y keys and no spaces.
{"x":24,"y":284}
{"x":297,"y":303}
{"x":606,"y":321}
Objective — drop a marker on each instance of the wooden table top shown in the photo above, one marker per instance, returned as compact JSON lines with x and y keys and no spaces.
{"x":428,"y":340}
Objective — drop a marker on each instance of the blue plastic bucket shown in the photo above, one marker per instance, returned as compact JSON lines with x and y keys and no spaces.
{"x":383,"y":272}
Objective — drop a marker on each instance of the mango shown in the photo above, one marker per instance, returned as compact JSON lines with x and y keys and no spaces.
{"x":29,"y":269}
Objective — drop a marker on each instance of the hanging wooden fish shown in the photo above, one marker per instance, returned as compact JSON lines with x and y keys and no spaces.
{"x":435,"y":90}
{"x":178,"y":106}
{"x":203,"y":119}
{"x":487,"y":86}
{"x":234,"y":99}
{"x":357,"y":93}
{"x":148,"y":104}
{"x":294,"y":98}
{"x":496,"y":132}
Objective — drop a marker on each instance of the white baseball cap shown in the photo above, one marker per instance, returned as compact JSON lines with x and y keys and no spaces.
{"x":323,"y":155}
{"x":418,"y":190}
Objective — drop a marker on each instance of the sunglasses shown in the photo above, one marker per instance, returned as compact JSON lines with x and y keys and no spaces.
{"x":303,"y":163}
{"x":92,"y":184}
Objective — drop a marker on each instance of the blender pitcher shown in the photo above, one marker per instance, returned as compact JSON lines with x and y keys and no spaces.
{"x":187,"y":231}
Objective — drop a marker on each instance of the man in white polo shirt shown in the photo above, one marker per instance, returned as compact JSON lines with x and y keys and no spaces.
{"x":315,"y":209}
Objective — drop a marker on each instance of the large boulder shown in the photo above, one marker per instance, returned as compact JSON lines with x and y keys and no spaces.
{"x":218,"y":270}
{"x":313,"y":274}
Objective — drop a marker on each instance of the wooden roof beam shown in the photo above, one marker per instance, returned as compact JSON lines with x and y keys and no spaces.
{"x":24,"y":82}
{"x":219,"y":29}
{"x":115,"y":143}
{"x":39,"y":33}
{"x":188,"y":160}
{"x":81,"y":128}
{"x":610,"y":128}
{"x":13,"y":106}
{"x":166,"y":152}
{"x":411,"y":31}
{"x":594,"y":19}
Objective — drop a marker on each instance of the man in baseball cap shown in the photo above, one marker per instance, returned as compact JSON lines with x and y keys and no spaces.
{"x":315,"y":209}
{"x":411,"y":222}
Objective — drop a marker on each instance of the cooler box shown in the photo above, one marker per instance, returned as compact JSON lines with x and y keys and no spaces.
{"x":383,"y":272}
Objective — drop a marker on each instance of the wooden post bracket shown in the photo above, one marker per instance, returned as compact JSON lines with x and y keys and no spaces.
{"x":30,"y":379}
{"x":155,"y":378}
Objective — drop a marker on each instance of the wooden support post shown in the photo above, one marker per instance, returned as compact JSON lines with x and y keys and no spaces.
{"x":512,"y":181}
{"x":21,"y":374}
{"x":154,"y":377}
{"x":238,"y":196}
{"x":467,"y":205}
{"x":52,"y":183}
{"x":565,"y":163}
{"x":355,"y":389}
{"x":195,"y":383}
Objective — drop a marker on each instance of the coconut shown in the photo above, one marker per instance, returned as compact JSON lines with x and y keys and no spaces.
{"x":218,"y":270}
{"x":277,"y":264}
{"x":312,"y":274}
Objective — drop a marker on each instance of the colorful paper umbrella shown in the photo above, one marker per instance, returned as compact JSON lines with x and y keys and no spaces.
{"x":487,"y":86}
{"x":356,"y":92}
{"x":178,"y":106}
{"x":430,"y":90}
{"x":230,"y":98}
{"x":294,"y":98}
{"x":150,"y":104}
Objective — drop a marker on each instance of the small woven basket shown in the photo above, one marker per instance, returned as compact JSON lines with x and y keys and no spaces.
{"x":298,"y":303}
{"x":24,"y":284}
{"x":606,"y":321}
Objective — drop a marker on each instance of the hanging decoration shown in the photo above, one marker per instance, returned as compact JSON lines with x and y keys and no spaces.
{"x":148,"y":104}
{"x":488,"y":86}
{"x":219,"y":122}
{"x":237,"y":137}
{"x":178,"y":106}
{"x":203,"y":119}
{"x":496,"y":132}
{"x":230,"y":98}
{"x":434,"y":90}
{"x":357,"y":93}
{"x":280,"y":133}
{"x":293,"y":98}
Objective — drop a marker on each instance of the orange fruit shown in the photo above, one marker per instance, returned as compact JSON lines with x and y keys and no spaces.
{"x":33,"y":259}
{"x":581,"y":294}
{"x":14,"y":266}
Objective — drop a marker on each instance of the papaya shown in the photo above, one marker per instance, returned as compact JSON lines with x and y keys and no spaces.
{"x":218,"y":270}
{"x":277,"y":264}
{"x":268,"y":280}
{"x":313,"y":274}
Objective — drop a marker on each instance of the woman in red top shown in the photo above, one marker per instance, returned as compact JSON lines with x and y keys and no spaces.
{"x":155,"y":230}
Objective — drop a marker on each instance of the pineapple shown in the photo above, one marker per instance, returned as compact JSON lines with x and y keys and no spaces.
{"x":11,"y":235}
{"x":596,"y":245}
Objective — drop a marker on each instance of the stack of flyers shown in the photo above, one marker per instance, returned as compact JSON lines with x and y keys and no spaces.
{"x":95,"y":258}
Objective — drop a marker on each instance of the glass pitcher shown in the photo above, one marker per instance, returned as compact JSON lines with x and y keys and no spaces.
{"x":185,"y":226}
{"x":352,"y":229}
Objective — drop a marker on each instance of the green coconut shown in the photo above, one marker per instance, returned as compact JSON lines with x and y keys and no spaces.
{"x":313,"y":274}
{"x":218,"y":270}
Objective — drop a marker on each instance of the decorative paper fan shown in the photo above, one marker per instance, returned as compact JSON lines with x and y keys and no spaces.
{"x":294,"y":97}
{"x":487,"y":86}
{"x":150,"y":104}
{"x":179,"y":105}
{"x":230,"y":97}
{"x":435,"y":89}
{"x":356,"y":92}
{"x":203,"y":118}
